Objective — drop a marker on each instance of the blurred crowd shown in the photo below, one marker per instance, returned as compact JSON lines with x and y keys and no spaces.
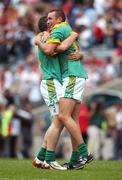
{"x":102,"y":128}
{"x":99,"y":24}
{"x":13,"y":122}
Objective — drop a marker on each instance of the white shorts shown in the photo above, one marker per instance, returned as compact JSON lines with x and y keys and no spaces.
{"x":73,"y":87}
{"x":51,"y":90}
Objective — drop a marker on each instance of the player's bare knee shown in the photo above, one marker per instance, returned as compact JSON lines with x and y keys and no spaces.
{"x":63,"y":117}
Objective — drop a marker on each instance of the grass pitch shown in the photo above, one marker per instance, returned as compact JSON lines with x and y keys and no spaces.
{"x":23,"y":170}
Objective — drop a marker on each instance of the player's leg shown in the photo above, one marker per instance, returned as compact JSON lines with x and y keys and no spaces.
{"x":38,"y":161}
{"x":50,"y":89}
{"x":75,"y":115}
{"x":66,"y":109}
{"x":67,"y":104}
{"x":47,"y":150}
{"x":54,"y":90}
{"x":75,"y":155}
{"x":73,"y":88}
{"x":54,"y":133}
{"x":40,"y":157}
{"x":52,"y":139}
{"x":46,"y":157}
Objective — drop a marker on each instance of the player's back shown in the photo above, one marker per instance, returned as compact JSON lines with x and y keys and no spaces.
{"x":49,"y":66}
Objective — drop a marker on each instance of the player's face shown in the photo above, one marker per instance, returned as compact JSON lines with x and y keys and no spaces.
{"x":51,"y":20}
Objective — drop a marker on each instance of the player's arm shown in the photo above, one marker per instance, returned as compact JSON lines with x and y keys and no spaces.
{"x":53,"y":41}
{"x":63,"y":46}
{"x":46,"y":48}
{"x":67,"y":42}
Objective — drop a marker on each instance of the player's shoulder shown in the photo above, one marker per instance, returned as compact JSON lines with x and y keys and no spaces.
{"x":61,"y":26}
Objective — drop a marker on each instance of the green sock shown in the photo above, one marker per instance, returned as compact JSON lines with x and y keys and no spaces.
{"x":50,"y":156}
{"x":74,"y":157}
{"x":41,"y":154}
{"x":82,"y":148}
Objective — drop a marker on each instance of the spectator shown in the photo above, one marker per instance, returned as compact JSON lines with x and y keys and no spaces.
{"x":67,"y":7}
{"x":97,"y":35}
{"x":110,"y":71}
{"x":117,"y":55}
{"x":5,"y":128}
{"x":9,"y":97}
{"x":6,"y":79}
{"x":2,"y":106}
{"x":94,"y":77}
{"x":118,"y":139}
{"x":14,"y":133}
{"x":26,"y":117}
{"x":85,"y":36}
{"x":109,"y":35}
{"x":96,"y":133}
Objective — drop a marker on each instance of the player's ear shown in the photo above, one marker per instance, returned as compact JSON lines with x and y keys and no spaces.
{"x":59,"y":19}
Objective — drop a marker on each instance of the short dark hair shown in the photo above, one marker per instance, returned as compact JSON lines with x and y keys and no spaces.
{"x":42,"y":24}
{"x":59,"y":13}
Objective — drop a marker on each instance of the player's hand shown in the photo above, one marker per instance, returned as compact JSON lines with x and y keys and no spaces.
{"x":37,"y":39}
{"x":75,"y":56}
{"x":74,"y":34}
{"x":40,"y":34}
{"x":46,"y":35}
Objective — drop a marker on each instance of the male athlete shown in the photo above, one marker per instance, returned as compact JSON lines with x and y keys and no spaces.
{"x":50,"y":88}
{"x":73,"y":79}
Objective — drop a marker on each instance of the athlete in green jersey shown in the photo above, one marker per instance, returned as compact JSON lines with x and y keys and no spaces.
{"x":60,"y":32}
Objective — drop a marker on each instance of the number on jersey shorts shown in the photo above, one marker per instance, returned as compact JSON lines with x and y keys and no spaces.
{"x":73,"y":87}
{"x":51,"y":90}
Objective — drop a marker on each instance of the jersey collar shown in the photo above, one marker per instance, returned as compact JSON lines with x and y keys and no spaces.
{"x":57,"y":25}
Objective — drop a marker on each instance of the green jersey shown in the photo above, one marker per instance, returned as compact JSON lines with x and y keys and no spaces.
{"x":49,"y":65}
{"x":68,"y":67}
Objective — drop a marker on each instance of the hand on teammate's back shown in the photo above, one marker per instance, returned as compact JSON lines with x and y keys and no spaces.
{"x":38,"y":38}
{"x":75,"y":56}
{"x":75,"y":34}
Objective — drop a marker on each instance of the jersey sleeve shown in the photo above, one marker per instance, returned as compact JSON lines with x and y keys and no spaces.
{"x":56,"y":36}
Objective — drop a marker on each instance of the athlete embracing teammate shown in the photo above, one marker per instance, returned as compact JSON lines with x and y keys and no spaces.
{"x":73,"y":76}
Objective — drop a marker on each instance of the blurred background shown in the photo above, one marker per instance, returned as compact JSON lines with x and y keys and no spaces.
{"x":24,"y":118}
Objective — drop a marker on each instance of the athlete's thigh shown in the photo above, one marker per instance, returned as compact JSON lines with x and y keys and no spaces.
{"x":51,"y":91}
{"x":66,"y":106}
{"x":67,"y":102}
{"x":73,"y":87}
{"x":76,"y":112}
